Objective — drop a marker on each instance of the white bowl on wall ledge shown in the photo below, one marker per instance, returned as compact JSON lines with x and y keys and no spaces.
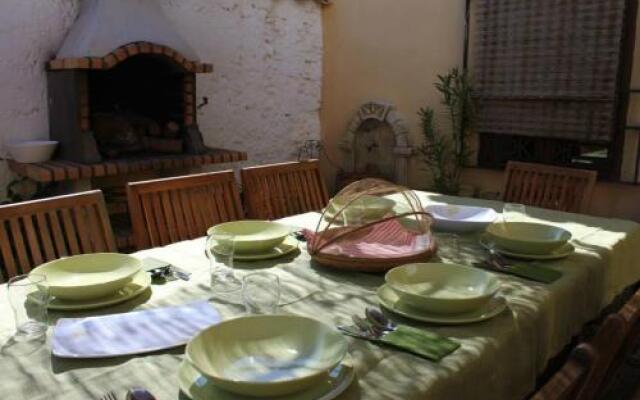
{"x":32,"y":151}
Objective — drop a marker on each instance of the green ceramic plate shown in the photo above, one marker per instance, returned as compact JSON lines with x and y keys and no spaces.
{"x":527,"y":237}
{"x":89,"y":276}
{"x":253,"y":236}
{"x":289,"y":245}
{"x":197,"y":386}
{"x":561,"y":252}
{"x":140,"y":283}
{"x":443,"y":288}
{"x":390,"y":300}
{"x":267,"y":355}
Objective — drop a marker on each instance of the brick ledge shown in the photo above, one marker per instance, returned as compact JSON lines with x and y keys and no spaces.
{"x":60,"y":170}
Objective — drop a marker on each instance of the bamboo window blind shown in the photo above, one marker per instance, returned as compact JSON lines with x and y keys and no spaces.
{"x":548,"y":68}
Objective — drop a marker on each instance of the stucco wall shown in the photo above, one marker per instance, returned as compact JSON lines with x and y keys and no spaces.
{"x":390,"y":51}
{"x":378,"y":50}
{"x":264,"y":95}
{"x":30,"y":33}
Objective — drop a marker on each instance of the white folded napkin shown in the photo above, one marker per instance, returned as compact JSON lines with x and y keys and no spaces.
{"x":131,"y":333}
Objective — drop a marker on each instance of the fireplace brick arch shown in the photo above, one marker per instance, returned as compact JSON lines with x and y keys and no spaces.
{"x":126,"y":51}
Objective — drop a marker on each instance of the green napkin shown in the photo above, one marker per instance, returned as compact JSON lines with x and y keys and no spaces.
{"x":537,"y":272}
{"x":413,"y":340}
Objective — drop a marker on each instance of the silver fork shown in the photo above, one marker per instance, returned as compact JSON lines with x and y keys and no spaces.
{"x":109,"y":396}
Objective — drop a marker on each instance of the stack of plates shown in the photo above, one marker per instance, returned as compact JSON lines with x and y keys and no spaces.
{"x":528,"y":240}
{"x":441,"y":293}
{"x":284,"y":356}
{"x":257,"y":240}
{"x":93,"y":280}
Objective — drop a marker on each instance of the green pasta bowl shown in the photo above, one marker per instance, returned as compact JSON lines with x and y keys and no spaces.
{"x":267,"y":355}
{"x":527,"y":237}
{"x":88,"y":276}
{"x":366,"y":207}
{"x":253,"y":236}
{"x":442,"y":288}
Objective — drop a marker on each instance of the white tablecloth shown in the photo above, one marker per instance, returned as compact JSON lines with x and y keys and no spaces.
{"x":498,"y":359}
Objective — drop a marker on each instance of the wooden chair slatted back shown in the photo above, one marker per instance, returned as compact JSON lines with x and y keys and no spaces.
{"x":280,"y":190}
{"x":37,"y":231}
{"x":583,"y":375}
{"x":557,"y":188}
{"x":173,"y":209}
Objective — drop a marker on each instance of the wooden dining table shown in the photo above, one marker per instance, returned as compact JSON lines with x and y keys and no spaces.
{"x":500,"y":358}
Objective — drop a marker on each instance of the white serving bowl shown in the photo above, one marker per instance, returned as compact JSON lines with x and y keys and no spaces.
{"x":32,"y":151}
{"x":461,"y":219}
{"x":443,"y":288}
{"x":267,"y":355}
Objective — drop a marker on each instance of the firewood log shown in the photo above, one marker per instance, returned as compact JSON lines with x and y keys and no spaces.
{"x":171,"y":129}
{"x":162,"y":145}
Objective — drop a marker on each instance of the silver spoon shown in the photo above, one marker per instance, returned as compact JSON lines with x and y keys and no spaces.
{"x":139,"y":394}
{"x":378,"y":319}
{"x":496,"y":259}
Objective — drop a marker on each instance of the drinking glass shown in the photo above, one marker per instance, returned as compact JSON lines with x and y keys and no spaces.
{"x":220,"y":250}
{"x":29,"y":299}
{"x":512,"y":212}
{"x":261,"y":293}
{"x":449,"y":246}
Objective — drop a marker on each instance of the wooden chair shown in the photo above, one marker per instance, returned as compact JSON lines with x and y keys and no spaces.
{"x":169,"y":210}
{"x":279,"y":190}
{"x":557,"y":188}
{"x":630,"y":313}
{"x":33,"y":232}
{"x":583,"y":375}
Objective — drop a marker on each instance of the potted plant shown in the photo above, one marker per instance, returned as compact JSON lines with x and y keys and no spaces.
{"x":446,"y":152}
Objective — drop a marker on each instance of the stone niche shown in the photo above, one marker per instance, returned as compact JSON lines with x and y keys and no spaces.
{"x":377,"y":144}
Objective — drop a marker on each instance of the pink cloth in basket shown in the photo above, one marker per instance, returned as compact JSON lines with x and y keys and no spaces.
{"x":387,"y":239}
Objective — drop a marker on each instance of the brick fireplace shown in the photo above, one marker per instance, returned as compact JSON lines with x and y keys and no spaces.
{"x":123,"y":105}
{"x":138,"y":100}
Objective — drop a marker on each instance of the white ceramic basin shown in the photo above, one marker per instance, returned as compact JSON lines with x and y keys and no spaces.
{"x":462,"y":219}
{"x":32,"y":151}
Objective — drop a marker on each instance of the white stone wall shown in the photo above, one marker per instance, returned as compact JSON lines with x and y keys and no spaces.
{"x":264,"y":95}
{"x":30,"y":33}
